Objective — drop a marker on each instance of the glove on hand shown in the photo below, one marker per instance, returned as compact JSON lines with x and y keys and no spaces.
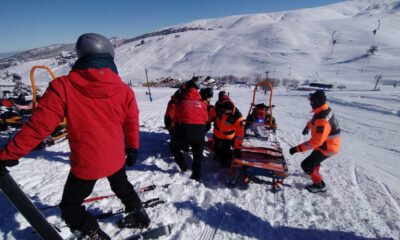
{"x":237,"y":153}
{"x":131,"y":156}
{"x":7,"y":163}
{"x":293,"y":150}
{"x":306,"y":130}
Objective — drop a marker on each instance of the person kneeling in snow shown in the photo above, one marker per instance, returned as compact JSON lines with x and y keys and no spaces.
{"x":101,"y":112}
{"x":325,"y":140}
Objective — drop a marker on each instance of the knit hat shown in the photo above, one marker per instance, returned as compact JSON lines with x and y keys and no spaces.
{"x":317,"y":99}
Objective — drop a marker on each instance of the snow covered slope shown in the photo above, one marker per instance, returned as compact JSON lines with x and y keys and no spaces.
{"x":362,"y":202}
{"x":293,"y":44}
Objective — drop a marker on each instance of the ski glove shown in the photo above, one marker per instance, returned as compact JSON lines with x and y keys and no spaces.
{"x":131,"y":156}
{"x":293,"y":150}
{"x":306,"y":130}
{"x":237,"y":152}
{"x":7,"y":163}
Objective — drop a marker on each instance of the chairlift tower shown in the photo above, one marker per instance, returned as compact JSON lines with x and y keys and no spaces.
{"x":374,"y":32}
{"x":333,"y":43}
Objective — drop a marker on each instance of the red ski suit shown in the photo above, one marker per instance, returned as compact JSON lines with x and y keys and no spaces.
{"x":96,"y":104}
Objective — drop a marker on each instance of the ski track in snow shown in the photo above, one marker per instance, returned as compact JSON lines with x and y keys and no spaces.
{"x":362,"y":201}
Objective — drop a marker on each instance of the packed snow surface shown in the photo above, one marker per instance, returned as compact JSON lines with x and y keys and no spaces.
{"x":362,"y":201}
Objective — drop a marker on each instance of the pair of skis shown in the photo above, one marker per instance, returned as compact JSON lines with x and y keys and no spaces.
{"x":47,"y":231}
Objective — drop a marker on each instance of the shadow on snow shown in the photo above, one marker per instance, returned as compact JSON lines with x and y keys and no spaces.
{"x":230,"y":218}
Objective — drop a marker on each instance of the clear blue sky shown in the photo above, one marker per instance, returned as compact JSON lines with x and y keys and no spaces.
{"x":27,"y":24}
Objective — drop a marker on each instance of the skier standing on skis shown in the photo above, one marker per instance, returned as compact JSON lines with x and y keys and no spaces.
{"x":101,"y":113}
{"x":191,"y":118}
{"x":325,"y":140}
{"x":228,"y":130}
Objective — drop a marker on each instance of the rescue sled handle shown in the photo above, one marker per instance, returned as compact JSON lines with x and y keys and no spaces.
{"x":263,"y":84}
{"x":34,"y":85}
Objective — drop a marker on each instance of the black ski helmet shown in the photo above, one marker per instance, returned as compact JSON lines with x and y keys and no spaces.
{"x":206,"y":93}
{"x":317,"y":99}
{"x":93,"y":43}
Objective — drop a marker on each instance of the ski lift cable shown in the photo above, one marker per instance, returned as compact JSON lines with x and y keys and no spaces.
{"x":363,"y":28}
{"x":355,"y":18}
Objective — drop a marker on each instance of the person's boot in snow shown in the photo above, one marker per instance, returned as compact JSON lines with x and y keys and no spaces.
{"x":195,"y":176}
{"x":317,"y":187}
{"x":135,"y":219}
{"x":97,"y":235}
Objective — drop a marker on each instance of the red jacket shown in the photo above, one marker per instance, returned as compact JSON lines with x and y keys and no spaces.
{"x":169,"y":117}
{"x":101,"y":112}
{"x":191,"y":110}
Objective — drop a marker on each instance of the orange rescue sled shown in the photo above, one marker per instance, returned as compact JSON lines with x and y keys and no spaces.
{"x":261,"y":152}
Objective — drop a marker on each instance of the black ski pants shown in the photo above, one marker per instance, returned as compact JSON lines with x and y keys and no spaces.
{"x":76,"y":190}
{"x":314,"y":160}
{"x":176,"y":146}
{"x":223,"y":151}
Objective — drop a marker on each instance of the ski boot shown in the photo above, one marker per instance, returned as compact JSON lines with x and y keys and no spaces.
{"x":97,"y":234}
{"x":316,"y":187}
{"x":195,"y":176}
{"x":135,"y":219}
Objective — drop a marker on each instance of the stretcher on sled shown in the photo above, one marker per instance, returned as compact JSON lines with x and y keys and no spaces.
{"x":261,"y":151}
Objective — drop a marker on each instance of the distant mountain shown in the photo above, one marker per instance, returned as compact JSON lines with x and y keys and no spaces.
{"x":292,"y":44}
{"x":7,"y":54}
{"x":41,"y":53}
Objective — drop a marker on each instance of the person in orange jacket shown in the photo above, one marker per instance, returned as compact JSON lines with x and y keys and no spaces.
{"x":325,"y":140}
{"x":228,"y":130}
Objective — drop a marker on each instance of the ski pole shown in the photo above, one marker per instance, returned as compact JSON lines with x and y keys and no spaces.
{"x":25,"y":206}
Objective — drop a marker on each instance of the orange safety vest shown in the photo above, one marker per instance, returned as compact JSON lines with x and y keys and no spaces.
{"x":230,"y":127}
{"x":325,"y":132}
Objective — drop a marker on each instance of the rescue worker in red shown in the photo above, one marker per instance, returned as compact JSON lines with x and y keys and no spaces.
{"x":191,"y":118}
{"x":169,"y":117}
{"x":206,"y":95}
{"x":325,"y":140}
{"x":103,"y":134}
{"x":228,"y":130}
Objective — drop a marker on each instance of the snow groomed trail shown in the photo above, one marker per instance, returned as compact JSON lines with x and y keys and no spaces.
{"x":362,"y":201}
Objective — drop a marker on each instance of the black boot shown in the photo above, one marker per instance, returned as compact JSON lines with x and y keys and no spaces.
{"x":316,"y":187}
{"x":97,"y":234}
{"x":136,"y":219}
{"x":195,"y":176}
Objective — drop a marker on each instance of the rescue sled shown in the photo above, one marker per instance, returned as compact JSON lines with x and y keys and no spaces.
{"x":261,"y":151}
{"x":15,"y":112}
